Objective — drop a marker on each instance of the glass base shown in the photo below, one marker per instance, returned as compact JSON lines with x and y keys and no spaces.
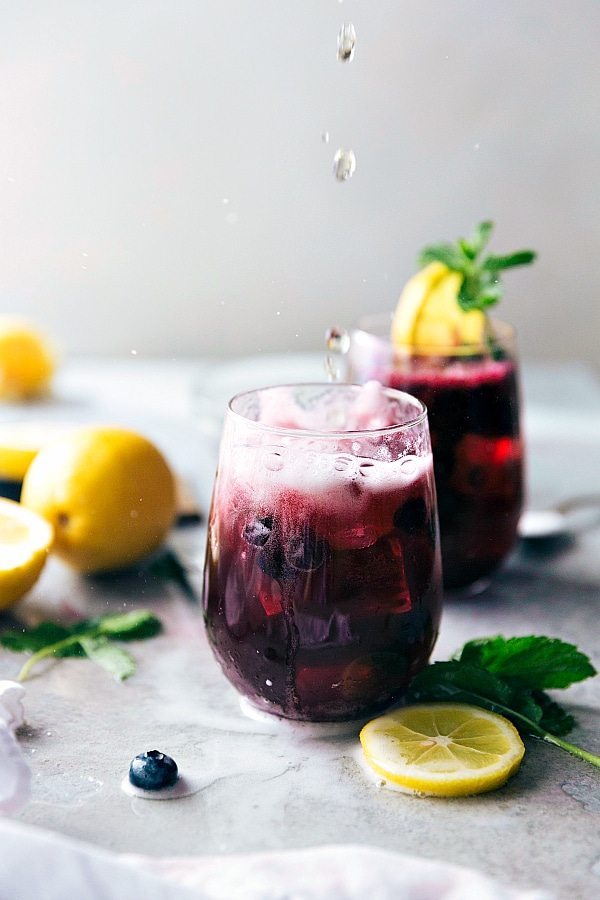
{"x":308,"y":729}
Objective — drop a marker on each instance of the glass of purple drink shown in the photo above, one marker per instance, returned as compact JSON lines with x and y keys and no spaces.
{"x":472,"y":399}
{"x":323,"y":579}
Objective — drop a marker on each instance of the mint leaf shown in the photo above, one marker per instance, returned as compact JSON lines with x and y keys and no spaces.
{"x":444,"y":253}
{"x":445,"y":680}
{"x":34,"y":639}
{"x":87,"y":637}
{"x":117,"y":662}
{"x":480,"y":237}
{"x":534,"y":662}
{"x":554,"y":718}
{"x":131,"y":626}
{"x":519,"y":258}
{"x":462,"y":683}
{"x":42,"y":635}
{"x":481,"y":286}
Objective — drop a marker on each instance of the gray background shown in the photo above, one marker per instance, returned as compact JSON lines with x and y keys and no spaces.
{"x":126,"y":125}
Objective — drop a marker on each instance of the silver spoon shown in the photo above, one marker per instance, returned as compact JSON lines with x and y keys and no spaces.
{"x":559,"y":520}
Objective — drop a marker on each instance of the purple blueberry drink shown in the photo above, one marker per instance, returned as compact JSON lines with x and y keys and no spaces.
{"x":322,"y":581}
{"x":472,"y":401}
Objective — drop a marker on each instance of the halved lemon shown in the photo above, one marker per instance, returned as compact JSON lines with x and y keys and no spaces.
{"x":25,"y":540}
{"x":429,"y":318}
{"x":20,"y":442}
{"x":443,"y":749}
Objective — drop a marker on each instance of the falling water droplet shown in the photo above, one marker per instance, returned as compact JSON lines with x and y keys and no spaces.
{"x":337,"y":341}
{"x":344,"y":165}
{"x":346,"y":42}
{"x":325,"y":137}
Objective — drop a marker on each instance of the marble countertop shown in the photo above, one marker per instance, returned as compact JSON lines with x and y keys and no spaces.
{"x":264,"y":786}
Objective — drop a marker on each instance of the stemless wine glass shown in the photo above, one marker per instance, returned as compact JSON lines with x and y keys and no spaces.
{"x":472,"y":398}
{"x":322,"y":583}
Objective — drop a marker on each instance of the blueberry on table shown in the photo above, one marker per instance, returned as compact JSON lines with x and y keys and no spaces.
{"x":152,"y":771}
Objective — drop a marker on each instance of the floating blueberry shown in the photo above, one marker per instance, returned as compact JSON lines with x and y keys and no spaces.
{"x":412,"y":516}
{"x":271,"y":560}
{"x":258,"y":531}
{"x":306,"y":550}
{"x":152,"y":771}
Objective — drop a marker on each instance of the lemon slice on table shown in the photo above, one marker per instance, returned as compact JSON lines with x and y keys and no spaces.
{"x":428,"y":316}
{"x":25,"y":539}
{"x":444,"y":749}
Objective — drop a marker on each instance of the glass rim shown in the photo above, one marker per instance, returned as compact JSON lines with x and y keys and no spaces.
{"x":314,"y":433}
{"x":372,"y":325}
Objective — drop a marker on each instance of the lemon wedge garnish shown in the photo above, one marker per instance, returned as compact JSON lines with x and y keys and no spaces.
{"x":428,"y":317}
{"x":445,"y":749}
{"x":25,"y":539}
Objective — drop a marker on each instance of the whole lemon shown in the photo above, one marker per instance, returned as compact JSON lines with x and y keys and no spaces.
{"x":108,"y":492}
{"x":27,"y":360}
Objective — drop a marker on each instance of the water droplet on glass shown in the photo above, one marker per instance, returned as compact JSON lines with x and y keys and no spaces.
{"x":325,"y":137}
{"x":344,"y":165}
{"x":346,"y":42}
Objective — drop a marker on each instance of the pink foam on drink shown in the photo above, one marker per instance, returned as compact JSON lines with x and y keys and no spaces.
{"x":370,"y":410}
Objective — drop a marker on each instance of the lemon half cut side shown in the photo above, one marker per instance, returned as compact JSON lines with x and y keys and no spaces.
{"x":25,"y":540}
{"x":444,"y":749}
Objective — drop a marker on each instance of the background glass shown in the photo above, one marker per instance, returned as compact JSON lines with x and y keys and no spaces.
{"x":322,"y":580}
{"x":472,"y":399}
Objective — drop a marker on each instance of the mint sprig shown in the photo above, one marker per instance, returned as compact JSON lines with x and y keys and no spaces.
{"x":481,"y":286}
{"x":510,"y":677}
{"x":93,"y":638}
